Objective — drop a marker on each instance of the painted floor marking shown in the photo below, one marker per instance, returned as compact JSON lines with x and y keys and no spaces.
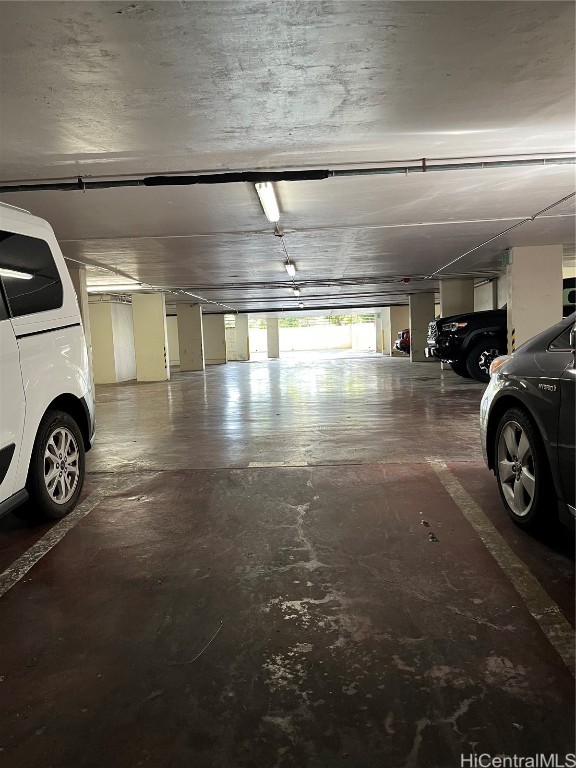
{"x":277,"y":464}
{"x":25,"y":562}
{"x":541,"y":606}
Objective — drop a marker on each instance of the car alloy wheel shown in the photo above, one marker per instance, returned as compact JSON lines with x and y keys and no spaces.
{"x":61,"y":469}
{"x":516,"y":468}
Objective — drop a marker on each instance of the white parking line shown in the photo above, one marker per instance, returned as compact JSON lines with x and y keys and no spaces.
{"x":25,"y":562}
{"x":277,"y":464}
{"x":541,"y":606}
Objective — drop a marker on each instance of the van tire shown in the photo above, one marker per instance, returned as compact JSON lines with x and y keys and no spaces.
{"x":57,"y":467}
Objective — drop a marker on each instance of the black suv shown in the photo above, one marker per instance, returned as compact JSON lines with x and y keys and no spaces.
{"x":469,"y":342}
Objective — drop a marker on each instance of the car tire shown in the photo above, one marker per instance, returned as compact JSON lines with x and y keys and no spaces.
{"x":460,"y":368}
{"x":480,"y":357}
{"x":57,"y":467}
{"x":522,"y":470}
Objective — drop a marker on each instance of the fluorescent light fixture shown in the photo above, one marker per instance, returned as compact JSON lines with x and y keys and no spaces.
{"x":268,"y":200}
{"x":16,"y":274}
{"x":113,"y":287}
{"x":296,"y":290}
{"x":290,"y":268}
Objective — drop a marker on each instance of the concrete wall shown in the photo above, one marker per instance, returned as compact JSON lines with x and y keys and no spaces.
{"x":113,"y":355}
{"x":358,"y":336}
{"x":124,"y":354}
{"x":173,"y":346}
{"x":485,"y":296}
{"x":501,"y":291}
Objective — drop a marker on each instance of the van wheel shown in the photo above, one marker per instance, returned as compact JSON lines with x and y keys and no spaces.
{"x":57,"y":466}
{"x":480,"y":358}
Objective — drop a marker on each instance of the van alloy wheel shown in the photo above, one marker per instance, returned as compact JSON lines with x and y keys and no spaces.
{"x":61,"y":470}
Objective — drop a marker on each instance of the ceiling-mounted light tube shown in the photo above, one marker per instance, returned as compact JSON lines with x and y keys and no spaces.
{"x":268,"y":200}
{"x":296,"y":290}
{"x":122,"y":287}
{"x":290,"y":268}
{"x":15,"y":274}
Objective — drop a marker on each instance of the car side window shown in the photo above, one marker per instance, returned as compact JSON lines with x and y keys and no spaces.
{"x":29,"y":274}
{"x":562,"y":342}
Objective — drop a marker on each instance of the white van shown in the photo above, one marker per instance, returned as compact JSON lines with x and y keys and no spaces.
{"x":46,"y":398}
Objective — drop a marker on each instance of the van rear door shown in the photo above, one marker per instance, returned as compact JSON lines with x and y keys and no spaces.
{"x":12,"y":405}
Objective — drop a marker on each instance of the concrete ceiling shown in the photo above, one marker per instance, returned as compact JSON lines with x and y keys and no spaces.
{"x":112,"y":90}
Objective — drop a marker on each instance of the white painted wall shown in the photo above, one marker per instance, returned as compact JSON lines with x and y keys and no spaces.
{"x":124,"y":354}
{"x":112,"y":342}
{"x":173,"y":344}
{"x":485,"y":297}
{"x":501,"y":291}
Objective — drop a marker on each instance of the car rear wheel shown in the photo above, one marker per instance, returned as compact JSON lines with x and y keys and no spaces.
{"x":522,"y":470}
{"x":460,"y":368}
{"x":480,"y":358}
{"x":57,"y":467}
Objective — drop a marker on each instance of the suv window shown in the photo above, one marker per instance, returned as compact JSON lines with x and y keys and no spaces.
{"x":563,"y":340}
{"x":35,"y":283}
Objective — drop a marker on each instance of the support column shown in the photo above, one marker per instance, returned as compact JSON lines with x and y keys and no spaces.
{"x":534,"y":291}
{"x":379,"y":338}
{"x":273,"y":337}
{"x":242,"y":337}
{"x":421,"y":313}
{"x":190,"y":346}
{"x":150,"y":336}
{"x":78,"y":277}
{"x":456,"y":297}
{"x":394,"y":319}
{"x":214,"y":335}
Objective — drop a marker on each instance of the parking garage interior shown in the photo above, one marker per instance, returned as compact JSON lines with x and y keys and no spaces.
{"x":288,"y":550}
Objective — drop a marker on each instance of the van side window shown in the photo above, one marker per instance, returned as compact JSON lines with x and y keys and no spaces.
{"x":29,"y":274}
{"x":3,"y":308}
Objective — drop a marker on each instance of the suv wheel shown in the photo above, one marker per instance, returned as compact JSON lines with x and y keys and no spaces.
{"x":480,"y":358}
{"x":459,"y":367}
{"x":522,"y":469}
{"x":57,"y":466}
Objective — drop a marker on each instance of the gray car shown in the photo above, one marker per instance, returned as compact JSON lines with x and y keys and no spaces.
{"x":527,"y":421}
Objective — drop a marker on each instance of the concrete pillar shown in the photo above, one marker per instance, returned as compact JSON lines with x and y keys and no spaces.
{"x":379,"y":339}
{"x":78,"y":277}
{"x":150,"y":336}
{"x":190,"y":335}
{"x":273,"y":337}
{"x":394,"y":319}
{"x":534,"y":291}
{"x":113,"y":354}
{"x":214,"y":336}
{"x":421,"y":313}
{"x":242,"y":338}
{"x":456,"y":297}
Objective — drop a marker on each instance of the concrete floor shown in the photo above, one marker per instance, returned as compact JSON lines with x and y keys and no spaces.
{"x":216,"y":610}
